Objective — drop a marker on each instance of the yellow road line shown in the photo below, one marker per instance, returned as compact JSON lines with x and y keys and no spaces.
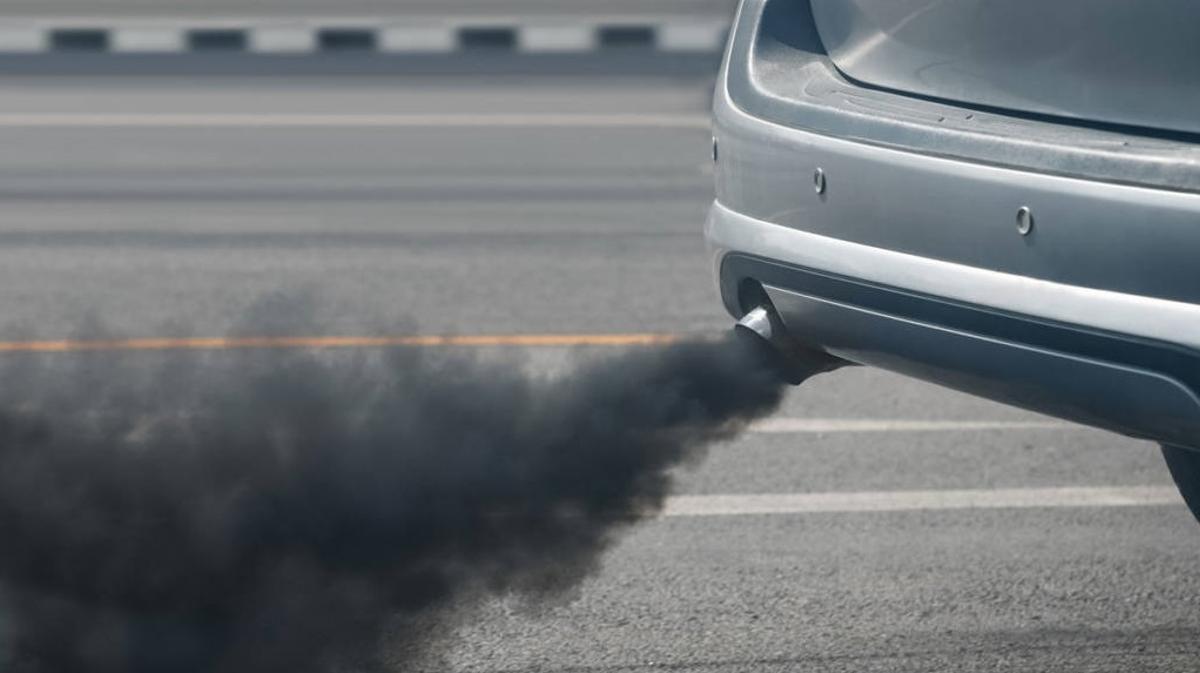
{"x":231,"y":343}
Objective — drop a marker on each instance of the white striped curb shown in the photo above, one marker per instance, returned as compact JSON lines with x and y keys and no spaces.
{"x":417,"y":40}
{"x":282,"y":40}
{"x":18,"y":40}
{"x":378,"y":35}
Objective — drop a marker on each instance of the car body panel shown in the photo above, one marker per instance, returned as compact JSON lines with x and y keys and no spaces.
{"x":1092,"y":315}
{"x":1115,"y":61}
{"x":1129,"y":383}
{"x":1089,"y":234}
{"x":778,"y":71}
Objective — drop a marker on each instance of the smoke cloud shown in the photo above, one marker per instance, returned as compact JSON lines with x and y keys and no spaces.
{"x":310,"y":512}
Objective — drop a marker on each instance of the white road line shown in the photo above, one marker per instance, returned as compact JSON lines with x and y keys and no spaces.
{"x":682,"y":121}
{"x":909,"y":501}
{"x":838,"y":425}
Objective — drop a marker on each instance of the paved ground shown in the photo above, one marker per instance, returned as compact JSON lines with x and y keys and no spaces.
{"x":226,"y":8}
{"x":167,"y":206}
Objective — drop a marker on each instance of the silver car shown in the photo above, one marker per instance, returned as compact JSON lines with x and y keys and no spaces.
{"x":1000,"y":197}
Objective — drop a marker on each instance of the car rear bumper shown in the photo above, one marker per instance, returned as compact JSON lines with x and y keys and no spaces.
{"x":987,"y":333}
{"x":910,"y":257}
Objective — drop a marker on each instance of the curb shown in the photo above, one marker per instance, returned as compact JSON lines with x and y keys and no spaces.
{"x":384,"y":36}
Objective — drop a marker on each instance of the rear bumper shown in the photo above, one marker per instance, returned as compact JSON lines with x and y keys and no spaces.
{"x":978,"y":331}
{"x":910,"y":257}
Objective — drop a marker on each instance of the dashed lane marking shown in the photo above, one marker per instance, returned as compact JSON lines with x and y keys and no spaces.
{"x":912,"y":501}
{"x":839,"y":425}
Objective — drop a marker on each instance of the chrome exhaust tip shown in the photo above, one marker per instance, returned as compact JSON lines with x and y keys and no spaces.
{"x":760,"y":322}
{"x":794,"y":361}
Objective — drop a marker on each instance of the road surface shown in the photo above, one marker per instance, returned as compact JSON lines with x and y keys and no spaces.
{"x":528,"y":205}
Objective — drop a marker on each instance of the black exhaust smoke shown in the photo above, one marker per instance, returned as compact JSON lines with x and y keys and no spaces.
{"x":291,"y":511}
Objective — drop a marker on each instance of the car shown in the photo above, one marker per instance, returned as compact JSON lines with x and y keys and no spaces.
{"x":1002,"y":198}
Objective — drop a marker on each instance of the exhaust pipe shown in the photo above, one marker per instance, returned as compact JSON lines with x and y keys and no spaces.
{"x":793,"y":361}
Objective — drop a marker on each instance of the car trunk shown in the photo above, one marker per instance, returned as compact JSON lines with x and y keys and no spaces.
{"x":1126,"y":62}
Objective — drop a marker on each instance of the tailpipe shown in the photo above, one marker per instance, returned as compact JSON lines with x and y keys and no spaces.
{"x":792,"y":360}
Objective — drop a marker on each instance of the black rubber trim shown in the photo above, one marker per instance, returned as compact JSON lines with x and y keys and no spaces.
{"x":1177,"y":362}
{"x":778,"y":71}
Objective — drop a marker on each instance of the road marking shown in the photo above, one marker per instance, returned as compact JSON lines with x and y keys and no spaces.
{"x":839,"y":425}
{"x":910,"y":501}
{"x":232,"y":343}
{"x":679,"y":121}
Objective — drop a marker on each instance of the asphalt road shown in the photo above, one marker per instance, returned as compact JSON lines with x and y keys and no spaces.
{"x":508,"y":205}
{"x":290,"y":8}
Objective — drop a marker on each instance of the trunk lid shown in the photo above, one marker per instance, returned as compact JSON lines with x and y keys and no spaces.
{"x":1127,"y":62}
